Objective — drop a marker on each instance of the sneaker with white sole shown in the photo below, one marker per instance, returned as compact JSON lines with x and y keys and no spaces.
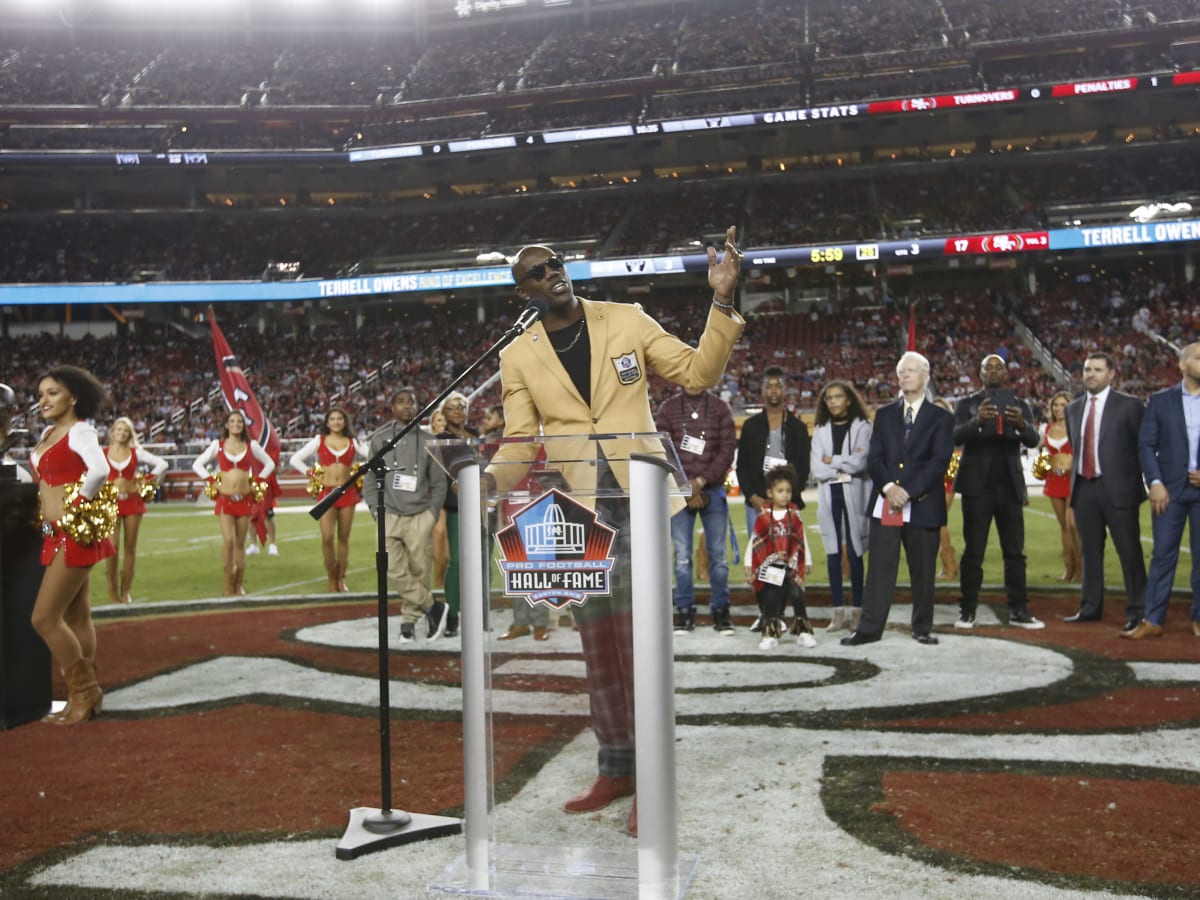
{"x":272,"y":550}
{"x":252,"y":550}
{"x":757,"y":627}
{"x":407,"y":634}
{"x":1023,"y":619}
{"x":804,"y":639}
{"x":965,"y":622}
{"x":768,"y":643}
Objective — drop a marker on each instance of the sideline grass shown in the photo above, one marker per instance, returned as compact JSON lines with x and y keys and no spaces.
{"x":180,"y":545}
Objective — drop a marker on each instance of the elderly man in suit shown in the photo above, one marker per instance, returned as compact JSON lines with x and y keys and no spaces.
{"x":910,"y":448}
{"x":1169,"y":451}
{"x":583,"y":369}
{"x":991,"y":425}
{"x":1107,"y":488}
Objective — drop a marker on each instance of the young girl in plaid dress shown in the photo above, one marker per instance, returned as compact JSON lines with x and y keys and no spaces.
{"x":777,"y":561}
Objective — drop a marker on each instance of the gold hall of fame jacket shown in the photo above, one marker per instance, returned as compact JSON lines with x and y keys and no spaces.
{"x":626,"y":346}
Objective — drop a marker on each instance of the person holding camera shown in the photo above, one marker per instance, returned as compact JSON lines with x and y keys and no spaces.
{"x":991,"y":425}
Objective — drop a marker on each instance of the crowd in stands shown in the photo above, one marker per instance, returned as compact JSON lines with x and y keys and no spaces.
{"x":785,"y":52}
{"x":166,"y":375}
{"x":891,"y":200}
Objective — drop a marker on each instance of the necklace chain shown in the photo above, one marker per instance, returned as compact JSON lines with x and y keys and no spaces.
{"x":574,"y":341}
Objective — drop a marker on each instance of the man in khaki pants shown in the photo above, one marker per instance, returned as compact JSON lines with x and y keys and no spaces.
{"x":414,"y":488}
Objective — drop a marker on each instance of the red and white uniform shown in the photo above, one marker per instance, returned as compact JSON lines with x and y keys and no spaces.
{"x":64,"y":463}
{"x":132,"y":504}
{"x":301,"y":461}
{"x":234,"y":504}
{"x":1057,"y":485}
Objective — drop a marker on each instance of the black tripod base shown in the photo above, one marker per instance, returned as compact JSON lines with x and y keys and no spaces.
{"x":372,"y":829}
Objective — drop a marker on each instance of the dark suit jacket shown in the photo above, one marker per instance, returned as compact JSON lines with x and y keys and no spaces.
{"x":1116,"y":446}
{"x":918,"y":466}
{"x":1162,"y":441}
{"x":752,"y":450}
{"x":981,"y":445}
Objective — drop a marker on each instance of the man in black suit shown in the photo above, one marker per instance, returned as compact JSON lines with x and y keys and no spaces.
{"x":910,"y":448}
{"x":991,"y":425}
{"x":1107,"y":488}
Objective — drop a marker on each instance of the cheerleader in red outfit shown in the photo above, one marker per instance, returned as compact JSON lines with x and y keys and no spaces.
{"x":125,"y":455}
{"x":69,"y":449}
{"x":335,"y":450}
{"x":1058,"y":483}
{"x":233,"y":453}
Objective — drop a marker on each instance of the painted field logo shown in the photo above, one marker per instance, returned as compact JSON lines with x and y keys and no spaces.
{"x":556,"y":552}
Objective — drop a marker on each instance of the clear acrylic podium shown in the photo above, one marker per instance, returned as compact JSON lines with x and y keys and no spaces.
{"x":579,"y":524}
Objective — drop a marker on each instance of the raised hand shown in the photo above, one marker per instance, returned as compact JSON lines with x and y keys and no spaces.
{"x":723,"y":276}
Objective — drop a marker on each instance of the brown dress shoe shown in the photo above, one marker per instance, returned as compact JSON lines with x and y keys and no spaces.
{"x":541,"y":634}
{"x":515,"y":631}
{"x":1144,"y":630}
{"x":602,"y":792}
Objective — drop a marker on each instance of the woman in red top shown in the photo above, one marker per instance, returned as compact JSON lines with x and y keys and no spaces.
{"x":335,"y":449}
{"x":68,"y":452}
{"x":232,"y":454}
{"x":125,"y":454}
{"x":1058,"y":482}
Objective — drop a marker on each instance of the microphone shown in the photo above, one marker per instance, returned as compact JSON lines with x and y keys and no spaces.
{"x":534,"y":310}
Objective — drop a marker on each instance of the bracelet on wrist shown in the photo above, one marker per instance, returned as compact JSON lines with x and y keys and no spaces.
{"x":719,"y":305}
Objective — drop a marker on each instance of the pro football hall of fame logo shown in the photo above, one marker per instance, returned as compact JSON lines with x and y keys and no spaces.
{"x":556,"y":552}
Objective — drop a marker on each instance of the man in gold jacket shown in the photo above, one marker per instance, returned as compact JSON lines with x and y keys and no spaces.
{"x":584,"y":369}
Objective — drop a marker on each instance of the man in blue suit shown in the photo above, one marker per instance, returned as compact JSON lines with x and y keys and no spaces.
{"x":910,"y":448}
{"x":1168,"y":449}
{"x":1107,"y":488}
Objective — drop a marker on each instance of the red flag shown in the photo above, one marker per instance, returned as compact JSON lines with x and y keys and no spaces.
{"x":238,"y":395}
{"x":912,"y":327}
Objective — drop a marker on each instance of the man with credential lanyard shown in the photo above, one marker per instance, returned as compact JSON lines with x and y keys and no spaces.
{"x":414,"y":490}
{"x":701,"y":427}
{"x":583,"y":369}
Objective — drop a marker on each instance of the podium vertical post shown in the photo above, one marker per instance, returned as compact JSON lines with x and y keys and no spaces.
{"x":477,"y":760}
{"x":653,"y":678}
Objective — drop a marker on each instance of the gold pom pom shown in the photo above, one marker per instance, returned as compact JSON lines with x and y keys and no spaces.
{"x":93,"y":520}
{"x":952,"y":466}
{"x":315,"y":482}
{"x":358,"y":482}
{"x":145,"y":486}
{"x":213,"y":487}
{"x":1041,"y":465}
{"x":259,"y":489}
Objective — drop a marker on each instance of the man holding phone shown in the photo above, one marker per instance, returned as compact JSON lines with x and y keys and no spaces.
{"x":991,"y":425}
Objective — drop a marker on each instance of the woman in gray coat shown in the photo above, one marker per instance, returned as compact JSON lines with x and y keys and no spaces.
{"x":840,"y":438}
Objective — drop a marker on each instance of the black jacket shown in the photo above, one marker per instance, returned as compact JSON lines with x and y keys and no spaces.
{"x":752,"y":450}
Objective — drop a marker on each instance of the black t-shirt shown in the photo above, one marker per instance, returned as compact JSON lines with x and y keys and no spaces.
{"x":575,"y":353}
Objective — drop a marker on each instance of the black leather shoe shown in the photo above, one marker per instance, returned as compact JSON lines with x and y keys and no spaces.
{"x":1080,"y":617}
{"x":1131,"y":624}
{"x":857,"y":637}
{"x":925,"y":639}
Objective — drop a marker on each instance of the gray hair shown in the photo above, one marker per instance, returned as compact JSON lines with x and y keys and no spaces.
{"x":914,"y":355}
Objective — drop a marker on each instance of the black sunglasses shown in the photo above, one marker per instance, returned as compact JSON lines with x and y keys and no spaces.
{"x":538,"y":272}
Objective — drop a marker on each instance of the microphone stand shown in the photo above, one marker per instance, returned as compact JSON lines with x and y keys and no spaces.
{"x":377,"y":829}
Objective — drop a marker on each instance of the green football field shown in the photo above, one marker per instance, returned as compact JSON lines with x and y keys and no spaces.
{"x":179,"y":554}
